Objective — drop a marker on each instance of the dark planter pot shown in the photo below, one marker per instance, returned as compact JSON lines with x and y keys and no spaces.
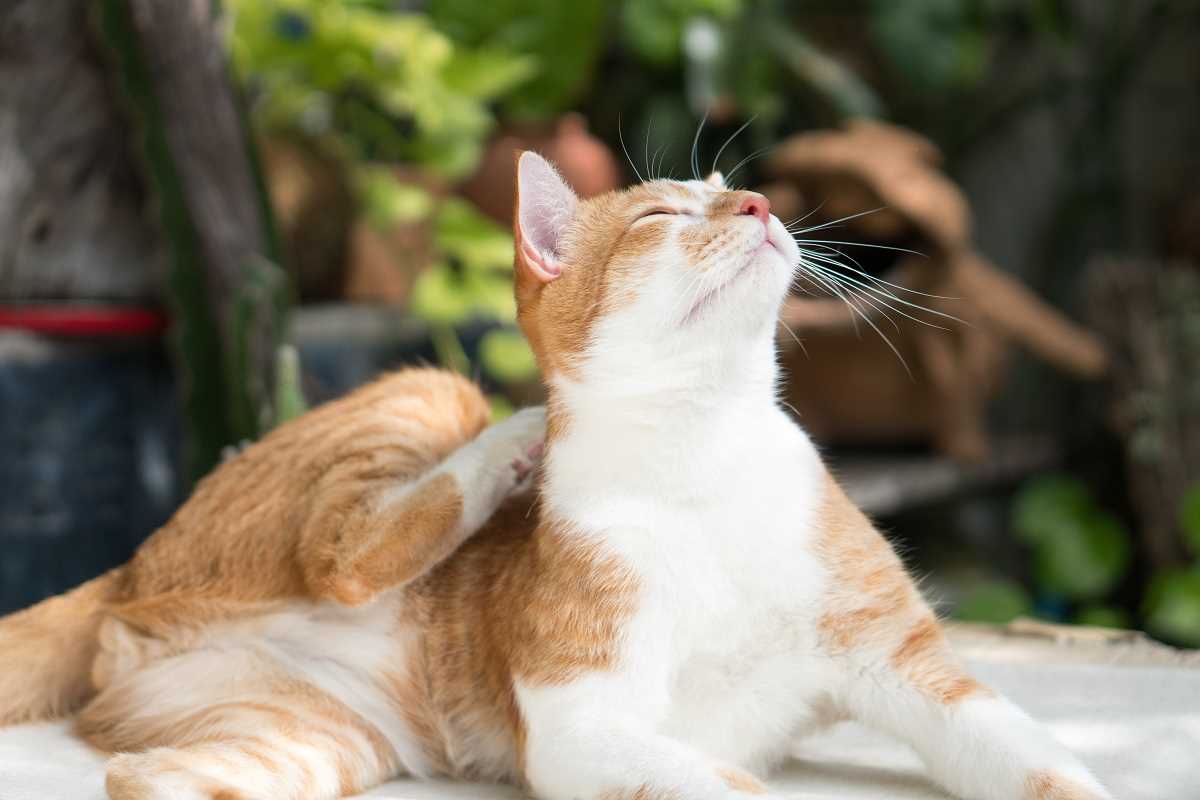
{"x":89,"y":434}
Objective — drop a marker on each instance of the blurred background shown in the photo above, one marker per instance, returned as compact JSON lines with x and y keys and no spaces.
{"x":217,"y":213}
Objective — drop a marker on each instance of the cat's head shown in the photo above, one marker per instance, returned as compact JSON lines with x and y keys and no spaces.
{"x":631,"y":281}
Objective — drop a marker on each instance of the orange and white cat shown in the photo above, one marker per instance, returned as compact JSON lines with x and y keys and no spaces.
{"x":369,"y":591}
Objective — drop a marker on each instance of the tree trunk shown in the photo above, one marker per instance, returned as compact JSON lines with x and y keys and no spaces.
{"x":76,"y":221}
{"x":1150,"y":316}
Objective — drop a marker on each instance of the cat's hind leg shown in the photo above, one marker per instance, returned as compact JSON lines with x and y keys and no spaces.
{"x":365,"y":534}
{"x":230,"y":725}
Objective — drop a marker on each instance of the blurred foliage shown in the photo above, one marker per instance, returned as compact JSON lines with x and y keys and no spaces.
{"x":1080,"y":551}
{"x":1172,"y":606}
{"x":289,"y":398}
{"x":384,"y":86}
{"x":1080,"y":555}
{"x":948,"y":45}
{"x":472,"y":279}
{"x":379,"y":87}
{"x":994,"y":601}
{"x":654,"y":29}
{"x":561,"y":41}
{"x":1189,"y":519}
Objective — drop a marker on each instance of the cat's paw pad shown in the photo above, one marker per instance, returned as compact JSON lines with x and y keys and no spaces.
{"x":518,"y":444}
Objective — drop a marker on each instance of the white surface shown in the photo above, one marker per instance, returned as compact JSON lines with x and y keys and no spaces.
{"x":1137,"y":727}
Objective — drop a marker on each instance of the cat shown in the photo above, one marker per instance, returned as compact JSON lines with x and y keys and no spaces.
{"x":687,"y":592}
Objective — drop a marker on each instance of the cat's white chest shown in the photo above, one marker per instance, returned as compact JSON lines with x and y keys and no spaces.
{"x":730,"y":584}
{"x":746,"y":593}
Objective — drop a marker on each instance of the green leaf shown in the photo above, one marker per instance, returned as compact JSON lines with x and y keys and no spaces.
{"x":995,"y":601}
{"x":501,"y":407}
{"x":388,"y":201}
{"x":487,"y":74}
{"x":289,"y":396}
{"x":1083,"y":557}
{"x":561,"y":41}
{"x":1103,"y":617}
{"x":1046,"y":504}
{"x":438,"y":296}
{"x":1189,"y":519}
{"x":474,"y":240}
{"x":1173,"y":607}
{"x":506,"y":356}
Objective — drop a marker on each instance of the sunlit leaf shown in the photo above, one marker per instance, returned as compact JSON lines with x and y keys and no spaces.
{"x":1173,"y":607}
{"x":995,"y":601}
{"x":1082,"y":557}
{"x":1045,"y":504}
{"x":506,"y":356}
{"x":1103,"y":617}
{"x":1189,"y":519}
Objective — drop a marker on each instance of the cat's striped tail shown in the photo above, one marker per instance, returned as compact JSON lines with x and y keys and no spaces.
{"x":46,"y":653}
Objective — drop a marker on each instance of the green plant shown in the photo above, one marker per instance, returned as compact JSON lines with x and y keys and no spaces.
{"x":378,"y":87}
{"x":994,"y":601}
{"x":1172,"y":606}
{"x":384,"y":86}
{"x":1189,"y":519}
{"x":561,"y":40}
{"x":1079,"y":554}
{"x":472,"y":278}
{"x":1080,"y":551}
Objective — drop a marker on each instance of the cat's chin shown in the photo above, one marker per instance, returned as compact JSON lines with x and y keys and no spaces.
{"x":749,"y":286}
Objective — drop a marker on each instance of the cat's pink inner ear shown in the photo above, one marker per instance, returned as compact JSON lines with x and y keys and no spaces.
{"x":545,"y":207}
{"x":716,"y":180}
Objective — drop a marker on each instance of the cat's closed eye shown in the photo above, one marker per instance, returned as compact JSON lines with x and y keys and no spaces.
{"x":659,"y":211}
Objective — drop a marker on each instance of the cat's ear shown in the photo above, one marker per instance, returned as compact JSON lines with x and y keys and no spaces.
{"x":545,"y":207}
{"x":716,"y":180}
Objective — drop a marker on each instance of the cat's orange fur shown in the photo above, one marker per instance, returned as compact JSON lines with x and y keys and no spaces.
{"x":161,"y":657}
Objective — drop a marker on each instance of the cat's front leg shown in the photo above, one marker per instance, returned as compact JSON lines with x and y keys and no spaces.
{"x":975,"y":742}
{"x":594,"y":738}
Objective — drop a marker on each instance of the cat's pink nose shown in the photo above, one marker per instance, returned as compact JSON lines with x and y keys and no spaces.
{"x":755,"y":205}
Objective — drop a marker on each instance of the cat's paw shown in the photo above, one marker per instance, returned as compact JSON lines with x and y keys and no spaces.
{"x":515,"y":446}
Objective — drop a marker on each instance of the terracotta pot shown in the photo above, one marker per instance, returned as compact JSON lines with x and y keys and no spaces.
{"x":847,"y":384}
{"x":314,"y":211}
{"x":586,"y":163}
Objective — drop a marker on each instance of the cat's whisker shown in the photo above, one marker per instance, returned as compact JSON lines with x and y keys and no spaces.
{"x":838,"y":221}
{"x":832,"y":288}
{"x":665,"y":149}
{"x":760,"y":151}
{"x":859,"y":295}
{"x":646,"y":161}
{"x":729,"y":141}
{"x":854,"y":307}
{"x":788,"y":225}
{"x":880,"y":291}
{"x":653,"y":169}
{"x":795,"y":338}
{"x":696,"y":146}
{"x":621,"y":139}
{"x":861,"y":244}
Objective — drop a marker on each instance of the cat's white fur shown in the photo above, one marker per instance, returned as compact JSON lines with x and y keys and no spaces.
{"x":679,"y":460}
